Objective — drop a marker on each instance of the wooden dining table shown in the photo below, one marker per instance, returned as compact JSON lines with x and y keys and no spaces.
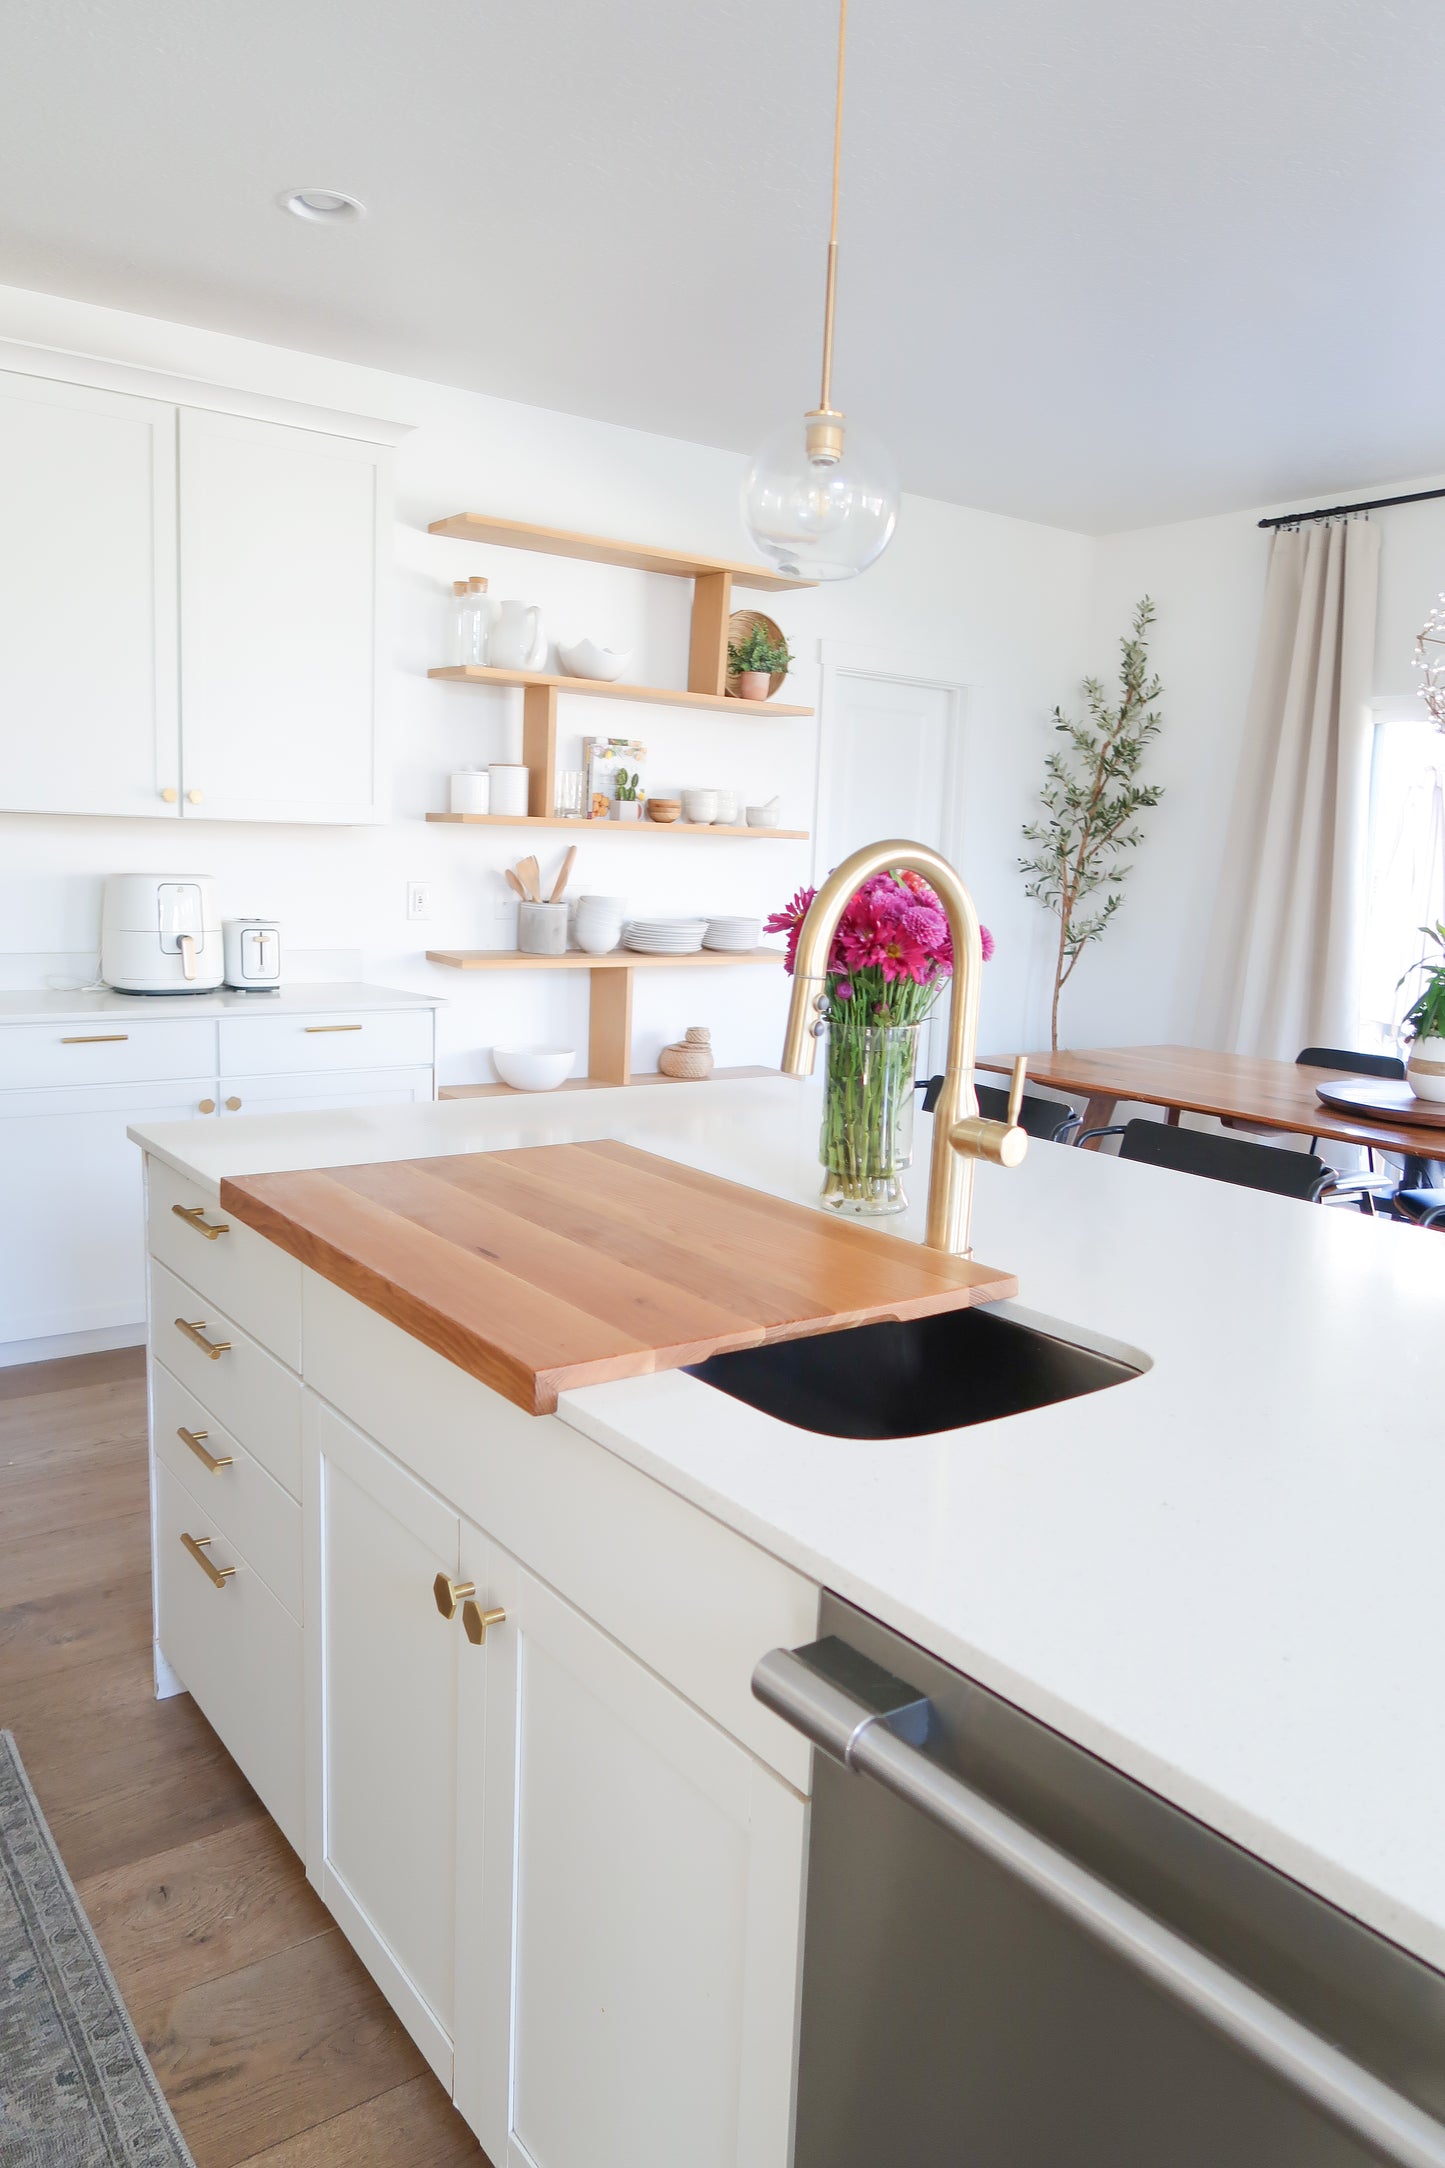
{"x":1239,"y":1088}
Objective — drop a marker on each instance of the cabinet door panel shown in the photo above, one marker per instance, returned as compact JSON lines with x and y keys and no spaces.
{"x":333,"y":1091}
{"x":72,"y":1258}
{"x":279,"y":536}
{"x":628,"y":2001}
{"x":388,"y":1670}
{"x":87,"y":600}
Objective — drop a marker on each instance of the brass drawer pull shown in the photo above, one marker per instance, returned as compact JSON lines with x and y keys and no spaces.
{"x":475,"y":1622}
{"x":98,"y":1038}
{"x":450,"y":1593}
{"x":217,"y":1575}
{"x":330,"y":1027}
{"x":214,"y":1348}
{"x":211,"y":1461}
{"x":194,"y":1215}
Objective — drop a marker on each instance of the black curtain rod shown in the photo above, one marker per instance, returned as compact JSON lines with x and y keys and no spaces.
{"x":1334,"y":511}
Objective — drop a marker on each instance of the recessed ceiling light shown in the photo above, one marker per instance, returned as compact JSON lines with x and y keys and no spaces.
{"x":323,"y":206}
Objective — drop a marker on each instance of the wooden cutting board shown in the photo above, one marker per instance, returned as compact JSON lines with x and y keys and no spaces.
{"x":570,"y":1264}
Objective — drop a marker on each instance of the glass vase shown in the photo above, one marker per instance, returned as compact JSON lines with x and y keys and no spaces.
{"x":867,"y":1139}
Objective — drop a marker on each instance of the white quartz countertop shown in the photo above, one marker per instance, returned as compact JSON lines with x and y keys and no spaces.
{"x":46,"y":1006}
{"x":1224,"y":1576}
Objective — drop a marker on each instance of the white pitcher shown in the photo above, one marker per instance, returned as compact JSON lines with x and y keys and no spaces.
{"x":516,"y":640}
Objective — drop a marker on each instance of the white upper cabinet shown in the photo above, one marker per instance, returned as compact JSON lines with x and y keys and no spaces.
{"x":280,"y":533}
{"x":88,"y":716}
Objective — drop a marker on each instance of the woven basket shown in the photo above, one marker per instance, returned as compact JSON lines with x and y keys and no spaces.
{"x":740,"y":624}
{"x":689,"y":1059}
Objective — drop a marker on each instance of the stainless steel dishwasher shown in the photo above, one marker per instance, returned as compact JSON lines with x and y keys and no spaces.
{"x":1016,"y":1957}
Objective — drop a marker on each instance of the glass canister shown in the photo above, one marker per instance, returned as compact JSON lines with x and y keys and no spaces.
{"x":868,"y":1098}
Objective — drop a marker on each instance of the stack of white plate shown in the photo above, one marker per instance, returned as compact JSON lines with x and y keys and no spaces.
{"x":665,"y":936}
{"x":733,"y":934}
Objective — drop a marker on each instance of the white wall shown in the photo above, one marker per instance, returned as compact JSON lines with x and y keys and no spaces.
{"x":1145,"y":980}
{"x":997,"y":605}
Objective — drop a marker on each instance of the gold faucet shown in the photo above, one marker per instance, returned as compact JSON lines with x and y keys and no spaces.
{"x":960,"y":1134}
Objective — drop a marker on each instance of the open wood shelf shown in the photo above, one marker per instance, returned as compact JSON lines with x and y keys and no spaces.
{"x":578,"y":960}
{"x":620,"y":828}
{"x":595,"y":1084}
{"x":475,"y":673}
{"x":517,"y":534}
{"x":609,"y":1027}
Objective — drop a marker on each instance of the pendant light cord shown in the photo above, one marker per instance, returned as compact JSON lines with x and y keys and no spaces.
{"x":825,"y":404}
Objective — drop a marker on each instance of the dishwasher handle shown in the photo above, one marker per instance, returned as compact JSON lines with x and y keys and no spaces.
{"x":875,"y":1724}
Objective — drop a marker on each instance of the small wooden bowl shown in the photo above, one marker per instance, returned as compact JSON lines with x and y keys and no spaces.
{"x":663,"y":810}
{"x":740,"y":624}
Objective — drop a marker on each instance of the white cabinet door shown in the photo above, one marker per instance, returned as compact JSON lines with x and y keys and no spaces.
{"x":305,"y":1094}
{"x":87,"y":601}
{"x":279,"y":539}
{"x":629,"y":1891}
{"x":72,"y":1219}
{"x":384,"y":1685}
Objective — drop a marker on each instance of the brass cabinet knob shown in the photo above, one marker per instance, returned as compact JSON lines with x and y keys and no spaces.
{"x":194,"y":797}
{"x":475,"y":1622}
{"x":233,"y":1105}
{"x":169,"y":795}
{"x":208,"y":1106}
{"x":450,"y":1593}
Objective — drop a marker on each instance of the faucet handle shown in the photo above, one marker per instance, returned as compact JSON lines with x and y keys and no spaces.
{"x":1016,"y":1089}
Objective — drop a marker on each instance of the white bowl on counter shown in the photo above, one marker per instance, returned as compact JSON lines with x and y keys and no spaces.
{"x":533,"y":1068}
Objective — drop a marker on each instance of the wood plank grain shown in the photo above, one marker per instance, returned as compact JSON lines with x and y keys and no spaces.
{"x":69,"y":1628}
{"x":174,"y":1919}
{"x":412,"y":2126}
{"x":73,"y":1373}
{"x":1246,"y":1088}
{"x":554,"y":1266}
{"x":238,"y":2055}
{"x":68,"y":1556}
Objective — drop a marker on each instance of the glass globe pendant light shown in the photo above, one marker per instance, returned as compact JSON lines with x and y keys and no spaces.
{"x":820,"y":498}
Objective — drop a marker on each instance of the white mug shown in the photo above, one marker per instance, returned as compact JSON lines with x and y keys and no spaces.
{"x":508,"y":786}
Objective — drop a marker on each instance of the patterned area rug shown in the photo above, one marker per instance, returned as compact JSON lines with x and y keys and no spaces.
{"x":75,"y":2088}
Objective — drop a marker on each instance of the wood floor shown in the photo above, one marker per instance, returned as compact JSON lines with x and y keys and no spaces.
{"x":272,"y":2044}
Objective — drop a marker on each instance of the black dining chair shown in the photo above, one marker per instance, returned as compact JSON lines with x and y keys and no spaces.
{"x":1248,"y":1166}
{"x":1421,"y":1207}
{"x":1051,"y":1119}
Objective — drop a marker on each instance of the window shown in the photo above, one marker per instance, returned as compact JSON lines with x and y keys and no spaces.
{"x":1406,"y":868}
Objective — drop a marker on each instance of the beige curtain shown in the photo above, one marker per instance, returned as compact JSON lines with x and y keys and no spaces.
{"x":1292,"y":907}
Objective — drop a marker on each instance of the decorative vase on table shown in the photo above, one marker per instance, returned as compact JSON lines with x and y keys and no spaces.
{"x":892,"y":956}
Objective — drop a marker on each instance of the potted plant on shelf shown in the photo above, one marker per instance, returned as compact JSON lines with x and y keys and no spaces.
{"x":626,"y":804}
{"x":756,"y":659}
{"x":1425,"y":1021}
{"x":891,"y":958}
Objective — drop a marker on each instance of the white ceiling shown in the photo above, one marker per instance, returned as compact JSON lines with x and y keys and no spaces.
{"x":1105,"y":262}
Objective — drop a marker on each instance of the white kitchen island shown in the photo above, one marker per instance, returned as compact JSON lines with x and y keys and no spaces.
{"x":572,"y":1851}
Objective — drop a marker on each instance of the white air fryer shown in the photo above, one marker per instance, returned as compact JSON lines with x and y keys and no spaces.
{"x":253,"y":954}
{"x":160,"y":933}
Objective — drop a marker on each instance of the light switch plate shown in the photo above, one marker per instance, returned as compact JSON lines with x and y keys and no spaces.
{"x":418,"y":899}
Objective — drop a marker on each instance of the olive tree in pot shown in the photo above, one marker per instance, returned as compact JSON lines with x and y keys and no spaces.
{"x":1425,"y":1021}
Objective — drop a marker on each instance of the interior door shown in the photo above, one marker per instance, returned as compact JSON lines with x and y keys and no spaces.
{"x":88,"y":717}
{"x":386,"y":1690}
{"x":891,"y":766}
{"x":629,"y":1886}
{"x":280,"y":532}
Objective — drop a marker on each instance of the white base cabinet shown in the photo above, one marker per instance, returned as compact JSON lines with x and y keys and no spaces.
{"x":577,"y":1885}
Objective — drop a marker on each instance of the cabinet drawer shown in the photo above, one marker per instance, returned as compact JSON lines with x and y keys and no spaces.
{"x":237,"y":1650}
{"x":336,"y":1039}
{"x":254,"y":1282}
{"x":106,"y":1050}
{"x":248,"y":1506}
{"x":328,"y":1088}
{"x":246,"y":1389}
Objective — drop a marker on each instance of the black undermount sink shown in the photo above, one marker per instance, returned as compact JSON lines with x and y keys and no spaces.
{"x":903,"y":1380}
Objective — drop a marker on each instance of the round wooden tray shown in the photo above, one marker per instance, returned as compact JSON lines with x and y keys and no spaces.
{"x":740,"y":624}
{"x":1383,"y":1100}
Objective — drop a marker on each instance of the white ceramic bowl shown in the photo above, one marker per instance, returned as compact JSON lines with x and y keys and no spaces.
{"x":533,"y":1068}
{"x":586,"y":659}
{"x":699,"y":805}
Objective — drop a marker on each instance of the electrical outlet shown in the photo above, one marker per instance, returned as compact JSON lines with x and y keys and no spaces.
{"x":418,"y":899}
